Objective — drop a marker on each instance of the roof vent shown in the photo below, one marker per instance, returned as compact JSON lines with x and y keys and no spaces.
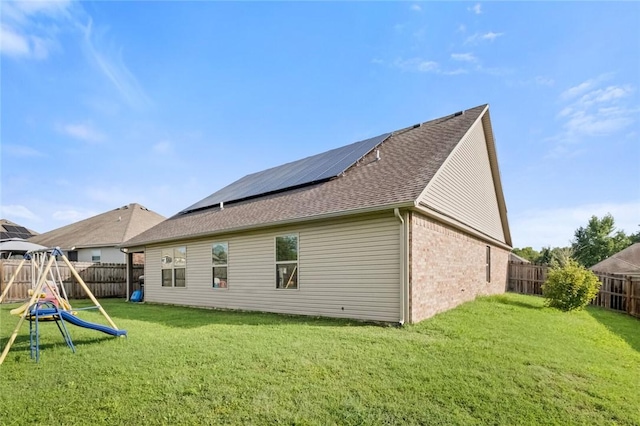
{"x":221,"y":205}
{"x":377,"y":155}
{"x":459,"y":113}
{"x":415,"y":126}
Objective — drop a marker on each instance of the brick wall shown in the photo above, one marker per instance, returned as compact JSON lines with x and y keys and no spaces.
{"x":447,"y":268}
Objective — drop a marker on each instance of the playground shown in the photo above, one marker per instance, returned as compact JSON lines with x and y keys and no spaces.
{"x":48,"y":302}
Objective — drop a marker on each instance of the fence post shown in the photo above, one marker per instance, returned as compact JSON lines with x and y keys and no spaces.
{"x":627,"y":281}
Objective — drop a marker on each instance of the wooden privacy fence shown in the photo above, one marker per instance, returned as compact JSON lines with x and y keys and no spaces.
{"x":104,"y":279}
{"x":617,"y":292}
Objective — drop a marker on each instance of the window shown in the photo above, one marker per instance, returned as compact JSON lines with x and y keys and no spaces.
{"x":287,"y":261}
{"x":73,"y":256}
{"x":174,"y":264}
{"x":95,"y":255}
{"x":488,"y":264}
{"x":219,"y":254}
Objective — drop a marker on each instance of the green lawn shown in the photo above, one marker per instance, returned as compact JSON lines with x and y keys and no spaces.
{"x":498,"y":360}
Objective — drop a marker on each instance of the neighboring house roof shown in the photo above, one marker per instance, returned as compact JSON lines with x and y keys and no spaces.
{"x":409,"y":159}
{"x":10,"y":230}
{"x":515,"y":258}
{"x":104,"y":230}
{"x":624,"y":262}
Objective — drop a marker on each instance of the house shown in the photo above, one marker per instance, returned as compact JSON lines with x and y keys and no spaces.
{"x":626,"y":262}
{"x":97,"y":238}
{"x":517,"y":259}
{"x":10,"y":230}
{"x":12,"y":240}
{"x":394,"y":228}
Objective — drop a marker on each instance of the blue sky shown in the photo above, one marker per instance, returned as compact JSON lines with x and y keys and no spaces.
{"x":163,"y":103}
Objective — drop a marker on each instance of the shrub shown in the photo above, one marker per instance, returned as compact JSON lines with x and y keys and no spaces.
{"x":570,"y":287}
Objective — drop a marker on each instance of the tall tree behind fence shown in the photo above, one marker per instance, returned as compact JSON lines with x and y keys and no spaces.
{"x":104,"y":279}
{"x":618,"y":292}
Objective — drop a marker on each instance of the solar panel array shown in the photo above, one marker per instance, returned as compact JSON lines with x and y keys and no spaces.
{"x":12,"y":231}
{"x":317,"y":168}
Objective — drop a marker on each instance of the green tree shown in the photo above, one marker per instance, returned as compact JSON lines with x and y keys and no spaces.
{"x":527,"y":253}
{"x":598,"y":240}
{"x":556,"y":257}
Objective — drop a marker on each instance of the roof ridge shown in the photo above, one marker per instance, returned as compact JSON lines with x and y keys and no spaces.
{"x":130,"y":206}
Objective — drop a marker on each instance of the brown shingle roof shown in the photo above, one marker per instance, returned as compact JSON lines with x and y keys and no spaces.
{"x":409,"y":159}
{"x":625,"y":261}
{"x":107,"y":229}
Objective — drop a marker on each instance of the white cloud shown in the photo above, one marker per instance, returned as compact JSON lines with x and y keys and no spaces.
{"x":17,"y":211}
{"x":13,"y":44}
{"x":477,"y":9}
{"x":82,"y":131}
{"x":29,"y":29}
{"x":491,"y":36}
{"x":416,"y":8}
{"x":163,"y":147}
{"x":416,"y":65}
{"x":419,"y":65}
{"x":20,"y":151}
{"x":607,"y":94}
{"x":112,"y":65}
{"x":456,"y":71}
{"x":536,"y":81}
{"x":586,"y":85}
{"x":462,"y":28}
{"x":464,"y":57}
{"x":544,"y":81}
{"x":589,"y":110}
{"x":555,"y":227}
{"x":478,"y":37}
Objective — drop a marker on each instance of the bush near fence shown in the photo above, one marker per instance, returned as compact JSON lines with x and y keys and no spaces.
{"x":103,"y":279}
{"x":618,"y":292}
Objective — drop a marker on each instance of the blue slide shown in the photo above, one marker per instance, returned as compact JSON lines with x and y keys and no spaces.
{"x":93,"y":326}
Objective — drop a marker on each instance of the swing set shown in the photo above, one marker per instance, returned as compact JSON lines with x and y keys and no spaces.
{"x":49,"y":302}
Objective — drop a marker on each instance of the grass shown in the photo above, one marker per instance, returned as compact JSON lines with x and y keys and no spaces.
{"x":497,"y":360}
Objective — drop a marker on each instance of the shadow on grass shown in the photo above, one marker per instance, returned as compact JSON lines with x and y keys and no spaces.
{"x":190,"y":317}
{"x":623,"y":325}
{"x":507,"y":300}
{"x":22,"y":342}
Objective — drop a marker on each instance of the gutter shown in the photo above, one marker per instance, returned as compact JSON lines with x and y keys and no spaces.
{"x":331,"y":215}
{"x":403,"y":267}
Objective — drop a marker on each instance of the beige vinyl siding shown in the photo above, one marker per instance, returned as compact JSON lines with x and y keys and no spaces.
{"x":107,"y":255}
{"x":346,"y":268}
{"x":463,"y":188}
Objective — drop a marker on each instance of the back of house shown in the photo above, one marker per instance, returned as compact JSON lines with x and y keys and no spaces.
{"x":394,"y":228}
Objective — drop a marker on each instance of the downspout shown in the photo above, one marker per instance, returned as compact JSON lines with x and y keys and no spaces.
{"x":403,"y":258}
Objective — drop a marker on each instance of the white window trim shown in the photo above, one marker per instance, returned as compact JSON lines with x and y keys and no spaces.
{"x":173,"y":267}
{"x":226,"y":265}
{"x":291,"y":262}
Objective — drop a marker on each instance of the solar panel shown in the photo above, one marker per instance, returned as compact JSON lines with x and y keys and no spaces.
{"x":317,"y":168}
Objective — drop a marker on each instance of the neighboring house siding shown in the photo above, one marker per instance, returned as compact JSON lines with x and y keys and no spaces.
{"x":448,"y":268}
{"x":107,"y":255}
{"x":347,"y":268}
{"x":463,"y":188}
